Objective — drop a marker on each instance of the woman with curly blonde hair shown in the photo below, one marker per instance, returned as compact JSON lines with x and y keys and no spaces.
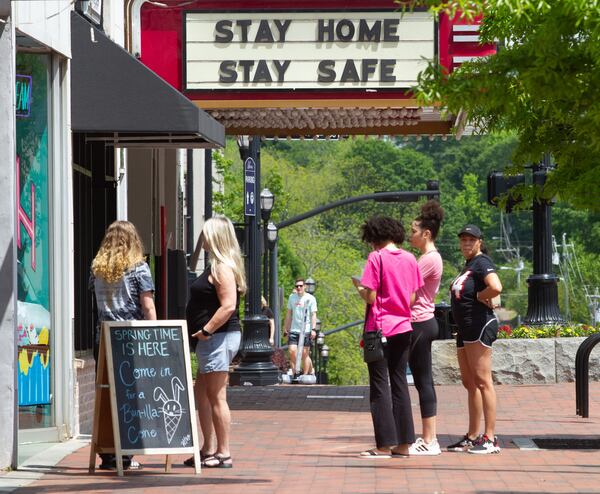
{"x":121,"y":249}
{"x":124,"y":291}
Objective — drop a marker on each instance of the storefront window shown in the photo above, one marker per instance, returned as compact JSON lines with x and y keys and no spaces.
{"x":34,"y":331}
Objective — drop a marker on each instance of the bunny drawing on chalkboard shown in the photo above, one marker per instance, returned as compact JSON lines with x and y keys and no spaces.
{"x":172,"y":409}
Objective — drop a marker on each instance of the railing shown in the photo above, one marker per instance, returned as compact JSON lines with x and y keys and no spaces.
{"x":335,"y":330}
{"x":582,"y":375}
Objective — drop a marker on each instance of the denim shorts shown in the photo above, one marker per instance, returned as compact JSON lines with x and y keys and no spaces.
{"x":216,"y":353}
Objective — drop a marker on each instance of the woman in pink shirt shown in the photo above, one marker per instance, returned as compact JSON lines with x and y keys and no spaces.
{"x":424,"y":231}
{"x":388,"y":284}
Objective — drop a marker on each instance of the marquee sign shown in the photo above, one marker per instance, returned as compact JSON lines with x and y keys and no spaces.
{"x":306,"y":50}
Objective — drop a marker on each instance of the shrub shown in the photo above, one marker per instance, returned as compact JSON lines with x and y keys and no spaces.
{"x":280,"y":360}
{"x":505,"y":331}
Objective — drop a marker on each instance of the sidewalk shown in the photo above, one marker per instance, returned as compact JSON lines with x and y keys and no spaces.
{"x":305,"y":439}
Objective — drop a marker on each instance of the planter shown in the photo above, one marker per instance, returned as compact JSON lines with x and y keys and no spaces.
{"x":519,"y":361}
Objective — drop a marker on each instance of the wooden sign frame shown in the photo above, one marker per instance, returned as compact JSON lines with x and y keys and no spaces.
{"x":105,"y":385}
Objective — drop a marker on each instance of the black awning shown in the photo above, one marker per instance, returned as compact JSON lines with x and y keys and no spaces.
{"x":117,"y":98}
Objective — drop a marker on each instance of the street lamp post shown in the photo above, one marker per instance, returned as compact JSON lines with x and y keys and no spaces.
{"x":267,"y":200}
{"x":256,"y":367}
{"x":320,"y":343}
{"x":272,"y":234}
{"x":324,"y":358}
{"x":310,"y":285}
{"x":542,"y":306}
{"x":315,"y":355}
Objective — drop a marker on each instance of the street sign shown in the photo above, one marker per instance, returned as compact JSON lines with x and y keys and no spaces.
{"x":249,"y":187}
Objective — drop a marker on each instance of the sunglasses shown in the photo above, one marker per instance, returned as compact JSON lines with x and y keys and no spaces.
{"x":299,"y":286}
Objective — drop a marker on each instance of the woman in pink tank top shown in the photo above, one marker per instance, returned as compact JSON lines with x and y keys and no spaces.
{"x":424,"y":230}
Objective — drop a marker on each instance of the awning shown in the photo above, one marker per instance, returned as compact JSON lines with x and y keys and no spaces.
{"x":118,"y":99}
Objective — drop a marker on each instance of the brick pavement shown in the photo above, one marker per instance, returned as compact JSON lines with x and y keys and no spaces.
{"x":286,"y":441}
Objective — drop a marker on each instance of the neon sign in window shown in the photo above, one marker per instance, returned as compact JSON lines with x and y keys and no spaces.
{"x":23,"y":95}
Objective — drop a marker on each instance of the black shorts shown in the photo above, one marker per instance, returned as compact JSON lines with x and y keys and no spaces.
{"x":484,"y":332}
{"x":294,"y":339}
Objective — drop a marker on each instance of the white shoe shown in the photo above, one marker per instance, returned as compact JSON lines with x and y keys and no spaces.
{"x":421,"y":448}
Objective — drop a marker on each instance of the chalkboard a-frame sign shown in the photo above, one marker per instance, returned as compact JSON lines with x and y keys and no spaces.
{"x":144,"y":392}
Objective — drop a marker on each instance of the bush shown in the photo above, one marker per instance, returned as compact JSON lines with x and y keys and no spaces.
{"x":505,"y":331}
{"x":280,"y":360}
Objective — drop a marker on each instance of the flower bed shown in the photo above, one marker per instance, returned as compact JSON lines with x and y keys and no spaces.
{"x":524,"y":355}
{"x":534,"y":332}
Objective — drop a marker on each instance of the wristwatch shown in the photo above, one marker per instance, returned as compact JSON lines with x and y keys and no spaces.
{"x":208,"y":334}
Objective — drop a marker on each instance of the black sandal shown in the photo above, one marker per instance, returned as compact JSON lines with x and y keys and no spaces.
{"x":220,"y":462}
{"x":191,"y":463}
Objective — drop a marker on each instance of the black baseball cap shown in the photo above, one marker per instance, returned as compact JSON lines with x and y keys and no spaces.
{"x":472,"y":230}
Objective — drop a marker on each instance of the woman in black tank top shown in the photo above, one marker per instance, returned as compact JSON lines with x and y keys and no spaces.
{"x":214,"y":326}
{"x":204,"y":303}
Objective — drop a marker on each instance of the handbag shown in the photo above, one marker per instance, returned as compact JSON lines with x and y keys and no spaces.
{"x":372,"y":346}
{"x":373,"y":349}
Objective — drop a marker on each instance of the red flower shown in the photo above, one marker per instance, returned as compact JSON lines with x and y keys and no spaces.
{"x":506,"y":329}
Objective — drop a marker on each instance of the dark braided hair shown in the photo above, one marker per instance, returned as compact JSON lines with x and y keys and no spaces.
{"x":430,"y":217}
{"x":380,"y":229}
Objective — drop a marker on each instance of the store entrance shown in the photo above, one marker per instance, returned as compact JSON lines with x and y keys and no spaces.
{"x":35,"y":332}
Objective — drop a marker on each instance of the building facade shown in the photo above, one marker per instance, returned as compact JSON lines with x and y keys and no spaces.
{"x":65,"y":138}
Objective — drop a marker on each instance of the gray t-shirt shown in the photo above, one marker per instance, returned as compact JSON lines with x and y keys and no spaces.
{"x":302,"y":309}
{"x":120,"y":301}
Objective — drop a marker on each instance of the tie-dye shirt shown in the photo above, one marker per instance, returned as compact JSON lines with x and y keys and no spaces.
{"x":120,"y":301}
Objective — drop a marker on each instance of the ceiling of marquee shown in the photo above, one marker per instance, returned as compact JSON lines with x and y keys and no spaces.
{"x":312,"y":121}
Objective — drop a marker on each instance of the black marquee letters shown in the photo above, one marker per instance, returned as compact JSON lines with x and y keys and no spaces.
{"x":264,"y":34}
{"x":387,"y":71}
{"x":274,"y":31}
{"x":350,"y":74}
{"x":325,"y":71}
{"x":366,"y":33}
{"x":224,"y":32}
{"x":389,"y":30}
{"x":227,"y":72}
{"x":345,"y":30}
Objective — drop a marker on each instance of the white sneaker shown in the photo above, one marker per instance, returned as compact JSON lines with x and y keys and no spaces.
{"x":421,"y":448}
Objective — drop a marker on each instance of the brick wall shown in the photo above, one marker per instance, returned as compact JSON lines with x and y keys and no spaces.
{"x":85,"y":388}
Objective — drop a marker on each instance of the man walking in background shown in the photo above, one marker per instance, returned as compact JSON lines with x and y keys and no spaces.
{"x":300,"y":320}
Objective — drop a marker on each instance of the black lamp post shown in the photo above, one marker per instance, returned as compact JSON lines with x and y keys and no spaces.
{"x":267,"y":200}
{"x":272,"y":233}
{"x":315,"y":355}
{"x":324,"y":358}
{"x":274,"y":302}
{"x":310,"y":285}
{"x":319,"y":347}
{"x":542,"y":306}
{"x":256,"y":367}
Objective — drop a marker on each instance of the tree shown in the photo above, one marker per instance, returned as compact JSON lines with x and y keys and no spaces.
{"x":543,"y":84}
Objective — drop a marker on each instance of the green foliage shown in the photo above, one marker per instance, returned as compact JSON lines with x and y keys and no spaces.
{"x":543,"y":84}
{"x":506,"y":332}
{"x":346,"y":366}
{"x":194,"y":362}
{"x":228,"y":189}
